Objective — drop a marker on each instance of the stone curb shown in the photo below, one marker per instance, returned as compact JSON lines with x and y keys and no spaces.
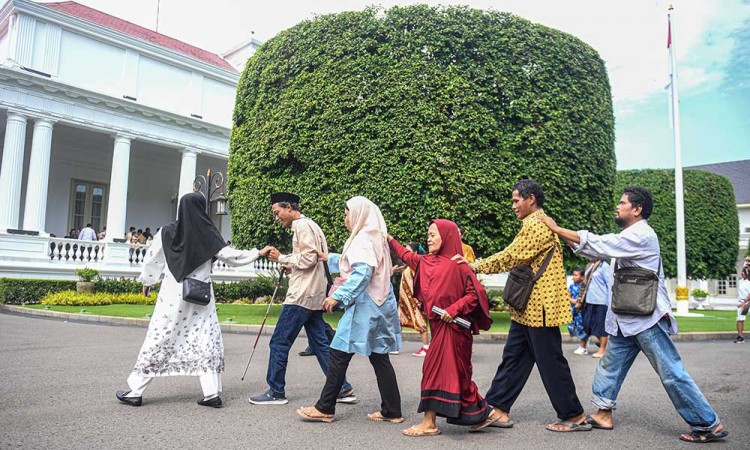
{"x":268,"y":329}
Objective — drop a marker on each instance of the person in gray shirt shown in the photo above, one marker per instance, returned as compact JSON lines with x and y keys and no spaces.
{"x":595,"y":297}
{"x":638,"y":246}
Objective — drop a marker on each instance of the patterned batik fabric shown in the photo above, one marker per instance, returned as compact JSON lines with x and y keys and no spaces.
{"x":548,"y":305}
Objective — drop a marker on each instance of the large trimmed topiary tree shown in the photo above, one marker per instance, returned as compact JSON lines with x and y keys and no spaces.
{"x":712,"y":226}
{"x":429,"y":112}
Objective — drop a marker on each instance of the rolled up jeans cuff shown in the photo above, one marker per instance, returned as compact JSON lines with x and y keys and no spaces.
{"x":708,"y":428}
{"x":603,"y":403}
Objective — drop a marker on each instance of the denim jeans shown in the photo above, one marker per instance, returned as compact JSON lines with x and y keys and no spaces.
{"x":290,"y":323}
{"x":658,"y":347}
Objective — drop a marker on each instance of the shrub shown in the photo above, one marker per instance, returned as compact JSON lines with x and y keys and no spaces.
{"x":263,"y":285}
{"x":122,"y":286}
{"x":699,"y":293}
{"x":87,"y":274}
{"x":28,"y":291}
{"x":72,"y":298}
{"x":496,"y":300}
{"x":429,"y":112}
{"x":711,"y":222}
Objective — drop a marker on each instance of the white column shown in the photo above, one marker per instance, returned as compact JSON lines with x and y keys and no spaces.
{"x":118,"y":188}
{"x":35,"y":210}
{"x":11,"y":171}
{"x":187,"y":172}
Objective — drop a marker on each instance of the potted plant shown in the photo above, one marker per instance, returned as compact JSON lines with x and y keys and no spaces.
{"x":699,"y":295}
{"x":85,"y":275}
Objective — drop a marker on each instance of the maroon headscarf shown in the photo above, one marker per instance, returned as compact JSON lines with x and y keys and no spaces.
{"x":438,"y":276}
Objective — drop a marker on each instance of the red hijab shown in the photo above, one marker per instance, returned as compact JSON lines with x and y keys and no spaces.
{"x":438,"y":280}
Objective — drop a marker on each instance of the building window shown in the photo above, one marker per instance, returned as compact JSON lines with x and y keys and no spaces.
{"x":732,"y":282}
{"x":721,"y":287}
{"x":88,"y":205}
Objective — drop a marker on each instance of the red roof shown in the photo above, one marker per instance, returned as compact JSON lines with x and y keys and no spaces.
{"x":139,"y":32}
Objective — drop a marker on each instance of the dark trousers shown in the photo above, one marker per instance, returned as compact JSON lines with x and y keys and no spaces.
{"x":526,"y":346}
{"x":387,"y":385}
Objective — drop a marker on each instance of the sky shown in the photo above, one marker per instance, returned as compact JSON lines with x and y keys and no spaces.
{"x":711,"y":40}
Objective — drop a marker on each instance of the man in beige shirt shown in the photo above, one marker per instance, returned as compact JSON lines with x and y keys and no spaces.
{"x":303,"y":306}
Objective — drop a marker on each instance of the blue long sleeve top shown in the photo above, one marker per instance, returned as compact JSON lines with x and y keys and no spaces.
{"x":365,"y":327}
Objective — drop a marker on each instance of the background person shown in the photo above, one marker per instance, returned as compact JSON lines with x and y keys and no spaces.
{"x":595,"y":298}
{"x":743,"y":297}
{"x":410,"y":309}
{"x":575,"y":328}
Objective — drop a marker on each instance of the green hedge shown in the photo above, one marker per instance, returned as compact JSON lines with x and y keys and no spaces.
{"x":23,"y":290}
{"x":17,"y":291}
{"x":250,"y":289}
{"x":72,"y":298}
{"x":711,"y":221}
{"x":429,"y":112}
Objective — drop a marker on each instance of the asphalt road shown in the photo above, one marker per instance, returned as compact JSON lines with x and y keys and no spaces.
{"x":58,"y":381}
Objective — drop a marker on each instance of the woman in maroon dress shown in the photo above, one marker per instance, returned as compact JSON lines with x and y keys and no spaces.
{"x":447,"y":388}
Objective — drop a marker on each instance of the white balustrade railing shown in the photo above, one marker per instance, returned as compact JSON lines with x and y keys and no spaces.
{"x":25,"y":253}
{"x":61,"y":249}
{"x":137,"y":254}
{"x":263,"y":264}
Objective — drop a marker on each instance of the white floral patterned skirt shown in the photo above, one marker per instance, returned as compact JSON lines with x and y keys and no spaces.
{"x":182,"y":338}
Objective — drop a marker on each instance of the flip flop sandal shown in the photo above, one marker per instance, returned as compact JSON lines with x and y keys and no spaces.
{"x":594,"y":424}
{"x":487,"y":423}
{"x":498,"y":424}
{"x":703,"y":437}
{"x":572,"y":426}
{"x":326,"y":418}
{"x":378,"y":417}
{"x":416,"y":432}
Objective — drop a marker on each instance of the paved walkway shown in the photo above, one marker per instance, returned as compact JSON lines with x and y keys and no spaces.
{"x":59,"y":378}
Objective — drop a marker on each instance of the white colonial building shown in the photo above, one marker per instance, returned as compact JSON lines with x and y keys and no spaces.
{"x":104,"y":122}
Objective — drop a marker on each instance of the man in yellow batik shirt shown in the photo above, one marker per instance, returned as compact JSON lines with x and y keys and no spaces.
{"x":534,"y":336}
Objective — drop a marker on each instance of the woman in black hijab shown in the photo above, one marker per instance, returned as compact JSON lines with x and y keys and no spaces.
{"x":184,"y":338}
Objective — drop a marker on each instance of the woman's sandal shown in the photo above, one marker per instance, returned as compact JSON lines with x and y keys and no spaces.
{"x":702,"y":437}
{"x":416,"y":432}
{"x":378,"y":417}
{"x":311,"y":414}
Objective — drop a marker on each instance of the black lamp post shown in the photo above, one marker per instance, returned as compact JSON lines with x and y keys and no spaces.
{"x":209,"y":185}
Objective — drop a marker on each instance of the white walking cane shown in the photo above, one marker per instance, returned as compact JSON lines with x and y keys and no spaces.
{"x":278,"y":283}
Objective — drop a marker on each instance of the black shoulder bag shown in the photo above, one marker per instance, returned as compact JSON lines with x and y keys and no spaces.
{"x":521,"y":280}
{"x":635,"y":290}
{"x":196,"y":291}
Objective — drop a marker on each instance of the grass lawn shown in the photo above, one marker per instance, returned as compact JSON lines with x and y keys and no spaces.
{"x":253,"y":314}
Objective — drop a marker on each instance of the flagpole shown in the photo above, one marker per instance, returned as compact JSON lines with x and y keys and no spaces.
{"x":681,"y":291}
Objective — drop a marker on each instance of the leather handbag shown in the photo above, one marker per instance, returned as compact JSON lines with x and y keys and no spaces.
{"x":196,"y":291}
{"x":635,"y":290}
{"x":521,"y":280}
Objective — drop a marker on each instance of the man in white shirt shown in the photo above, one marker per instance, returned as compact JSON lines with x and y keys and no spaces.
{"x":87,"y":234}
{"x":743,"y":297}
{"x":638,"y":246}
